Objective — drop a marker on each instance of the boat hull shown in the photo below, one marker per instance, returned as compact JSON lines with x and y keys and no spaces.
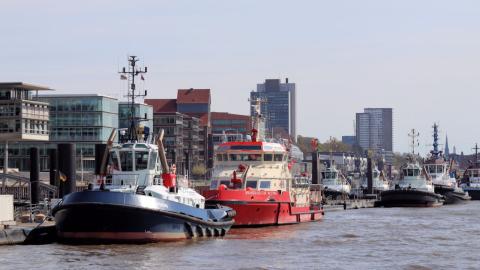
{"x":409,"y":198}
{"x":451,"y":195}
{"x":91,"y":216}
{"x":474,"y":193}
{"x":264,"y":208}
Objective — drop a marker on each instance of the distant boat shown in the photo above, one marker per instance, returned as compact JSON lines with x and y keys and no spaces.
{"x":415,"y":187}
{"x":439,"y":170}
{"x":471,"y":178}
{"x":335,"y":185}
{"x":413,"y":190}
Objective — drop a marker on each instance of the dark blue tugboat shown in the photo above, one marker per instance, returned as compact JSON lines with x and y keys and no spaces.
{"x":137,"y":198}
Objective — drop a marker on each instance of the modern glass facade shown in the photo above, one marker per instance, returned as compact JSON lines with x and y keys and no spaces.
{"x":143,"y":112}
{"x":278,"y":106}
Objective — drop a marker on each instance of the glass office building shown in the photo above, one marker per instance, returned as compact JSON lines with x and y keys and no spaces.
{"x":278,"y":107}
{"x":83,"y":119}
{"x":142,"y":112}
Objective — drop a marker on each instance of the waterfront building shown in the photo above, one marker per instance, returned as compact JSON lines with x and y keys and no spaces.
{"x":278,"y":107}
{"x":193,"y":107}
{"x":374,"y":131}
{"x":229,"y":123}
{"x":143,"y":113}
{"x":181,"y":137}
{"x":23,"y":117}
{"x":85,"y":119}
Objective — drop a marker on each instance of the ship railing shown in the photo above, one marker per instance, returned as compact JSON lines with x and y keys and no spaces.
{"x":123,"y":180}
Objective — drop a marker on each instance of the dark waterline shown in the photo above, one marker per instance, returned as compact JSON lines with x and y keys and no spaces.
{"x":398,"y":238}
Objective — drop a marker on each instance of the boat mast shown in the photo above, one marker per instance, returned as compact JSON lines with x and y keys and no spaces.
{"x":476,"y":154}
{"x":435,"y":153}
{"x":414,"y":135}
{"x":257,"y":130}
{"x":130,"y":75}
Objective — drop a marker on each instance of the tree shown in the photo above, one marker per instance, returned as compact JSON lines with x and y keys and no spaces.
{"x":334,"y":145}
{"x":199,"y":170}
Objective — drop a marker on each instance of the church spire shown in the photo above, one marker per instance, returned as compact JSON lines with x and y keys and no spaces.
{"x":447,"y":150}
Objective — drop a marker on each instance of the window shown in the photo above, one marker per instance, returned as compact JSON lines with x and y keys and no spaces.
{"x":268,"y":157}
{"x":141,"y":160}
{"x":126,"y":161}
{"x":251,"y":184}
{"x":153,"y":161}
{"x":277,"y":157}
{"x":113,"y":161}
{"x":219,"y":157}
{"x":264,"y":184}
{"x":254,"y":157}
{"x":214,"y":184}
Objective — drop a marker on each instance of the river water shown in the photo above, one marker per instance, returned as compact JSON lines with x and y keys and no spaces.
{"x":447,"y":237}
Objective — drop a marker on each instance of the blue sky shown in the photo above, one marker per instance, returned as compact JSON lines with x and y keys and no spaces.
{"x":420,"y":57}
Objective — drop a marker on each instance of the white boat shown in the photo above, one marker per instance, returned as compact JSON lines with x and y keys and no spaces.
{"x":334,"y":183}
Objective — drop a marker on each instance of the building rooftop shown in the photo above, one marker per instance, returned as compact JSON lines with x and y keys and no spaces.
{"x":73,"y":95}
{"x":162,"y":105}
{"x":228,"y":116}
{"x":22,"y":85}
{"x":193,"y":96}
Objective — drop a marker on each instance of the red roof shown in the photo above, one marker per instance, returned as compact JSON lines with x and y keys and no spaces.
{"x":162,"y":105}
{"x":193,"y":96}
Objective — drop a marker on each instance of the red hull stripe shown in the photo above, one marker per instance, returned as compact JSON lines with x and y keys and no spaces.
{"x":135,"y":236}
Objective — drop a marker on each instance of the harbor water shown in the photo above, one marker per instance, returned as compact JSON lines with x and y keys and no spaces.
{"x":447,"y":237}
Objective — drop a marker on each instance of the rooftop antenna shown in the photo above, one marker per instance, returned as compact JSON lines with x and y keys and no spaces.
{"x":414,"y":135}
{"x":129,"y":75}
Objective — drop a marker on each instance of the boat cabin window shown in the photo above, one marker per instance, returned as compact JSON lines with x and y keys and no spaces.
{"x":278,"y":157}
{"x":219,"y":157}
{"x":435,"y":169}
{"x":141,"y":160}
{"x":238,"y":157}
{"x":254,"y":157}
{"x":375,"y":174}
{"x":153,"y":161}
{"x":126,"y":161}
{"x":268,"y":157}
{"x":113,"y":160}
{"x":251,"y":184}
{"x":264,"y":184}
{"x":329,"y":175}
{"x":411,"y":172}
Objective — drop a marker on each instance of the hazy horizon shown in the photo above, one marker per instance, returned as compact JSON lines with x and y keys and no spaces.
{"x":418,"y":57}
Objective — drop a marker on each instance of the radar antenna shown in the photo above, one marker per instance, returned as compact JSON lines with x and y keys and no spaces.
{"x":414,"y":135}
{"x":129,"y":75}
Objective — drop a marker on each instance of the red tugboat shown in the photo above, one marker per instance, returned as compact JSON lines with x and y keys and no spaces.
{"x":255,"y":179}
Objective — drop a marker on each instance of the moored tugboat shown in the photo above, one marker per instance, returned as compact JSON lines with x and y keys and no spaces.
{"x":471,"y":178}
{"x":138,"y":200}
{"x":440,"y":171}
{"x":415,"y":188}
{"x":335,"y":185}
{"x":255,"y":179}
